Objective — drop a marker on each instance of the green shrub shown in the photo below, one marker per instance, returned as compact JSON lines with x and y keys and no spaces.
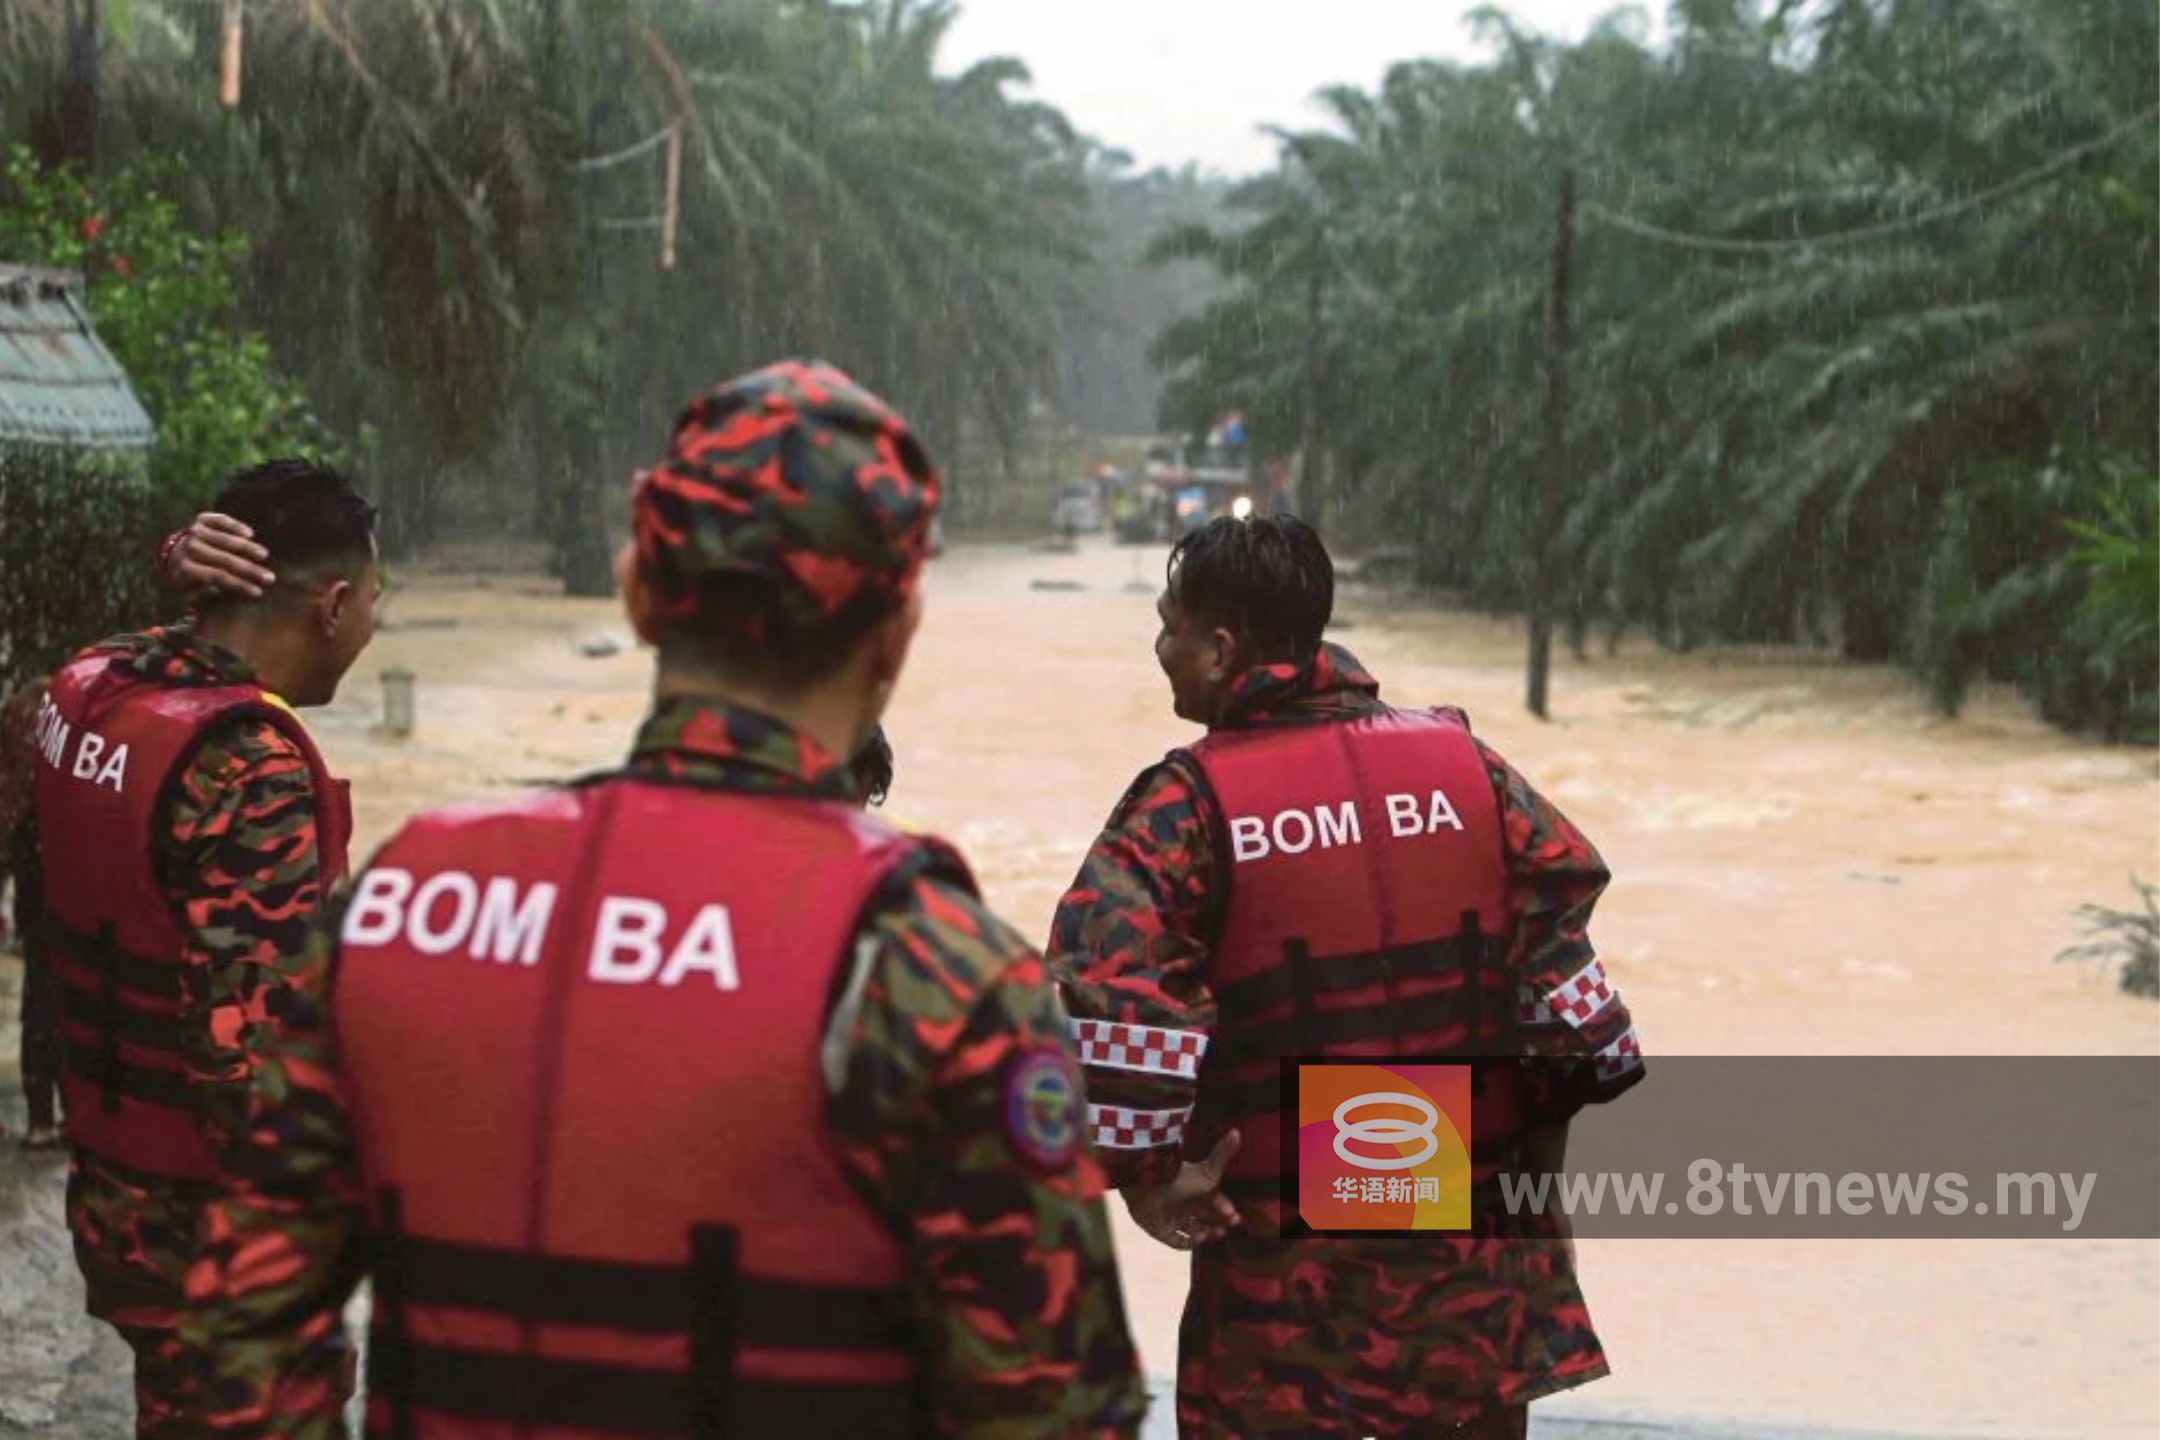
{"x":78,"y":532}
{"x":2130,"y":938}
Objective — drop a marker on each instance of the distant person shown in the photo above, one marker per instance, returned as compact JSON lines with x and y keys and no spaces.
{"x":187,"y":829}
{"x":1195,"y":953}
{"x":691,"y":1099}
{"x":40,"y":1022}
{"x":212,"y":552}
{"x":215,"y":554}
{"x":1067,"y":517}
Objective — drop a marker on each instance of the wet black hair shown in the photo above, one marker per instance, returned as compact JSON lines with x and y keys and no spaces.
{"x":305,"y":513}
{"x":1267,"y":580}
{"x":873,"y":767}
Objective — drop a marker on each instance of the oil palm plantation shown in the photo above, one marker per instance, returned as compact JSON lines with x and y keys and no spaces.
{"x":460,"y":297}
{"x":1865,"y":312}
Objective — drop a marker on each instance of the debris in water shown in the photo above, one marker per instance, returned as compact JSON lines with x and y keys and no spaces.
{"x":1055,"y":585}
{"x":399,"y":701}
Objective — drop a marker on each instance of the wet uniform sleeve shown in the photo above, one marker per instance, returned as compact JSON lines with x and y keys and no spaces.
{"x":954,"y":1106}
{"x":239,"y":864}
{"x":1573,"y":1022}
{"x":272,"y":1267}
{"x":1128,"y":948}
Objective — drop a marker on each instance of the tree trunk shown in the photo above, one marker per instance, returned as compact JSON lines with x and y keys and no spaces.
{"x":1871,"y":627}
{"x":69,"y":132}
{"x":1309,"y":415}
{"x":582,"y":550}
{"x":1549,"y":500}
{"x":580,"y":539}
{"x":946,"y":451}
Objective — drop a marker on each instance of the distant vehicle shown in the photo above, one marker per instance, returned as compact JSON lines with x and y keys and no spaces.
{"x":1078,"y":511}
{"x":1190,"y":506}
{"x":1198,"y":484}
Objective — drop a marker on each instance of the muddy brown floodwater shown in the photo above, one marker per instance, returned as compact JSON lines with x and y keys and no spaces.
{"x":1806,"y":860}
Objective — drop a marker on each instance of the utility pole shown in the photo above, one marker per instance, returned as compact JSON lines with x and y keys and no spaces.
{"x":79,"y":101}
{"x":1547,"y":576}
{"x":664,"y":399}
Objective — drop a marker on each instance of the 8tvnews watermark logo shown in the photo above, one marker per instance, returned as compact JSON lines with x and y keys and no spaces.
{"x":1836,"y":1147}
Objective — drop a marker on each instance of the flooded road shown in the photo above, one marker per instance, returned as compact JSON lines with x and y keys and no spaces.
{"x":1806,"y":861}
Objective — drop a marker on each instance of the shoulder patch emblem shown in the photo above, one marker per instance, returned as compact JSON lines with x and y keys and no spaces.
{"x":1042,"y":1103}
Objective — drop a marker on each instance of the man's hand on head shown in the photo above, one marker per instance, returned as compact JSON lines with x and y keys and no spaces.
{"x":218,"y":554}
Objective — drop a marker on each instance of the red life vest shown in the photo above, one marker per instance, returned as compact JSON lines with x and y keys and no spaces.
{"x":111,"y":745}
{"x":1362,"y":910}
{"x":580,"y":1036}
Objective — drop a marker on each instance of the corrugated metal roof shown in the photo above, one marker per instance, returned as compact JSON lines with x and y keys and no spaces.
{"x":59,"y":385}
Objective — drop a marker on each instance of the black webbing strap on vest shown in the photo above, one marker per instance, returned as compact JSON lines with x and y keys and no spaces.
{"x":715,"y":1255}
{"x":540,"y":1391}
{"x":105,"y":958}
{"x":96,"y":989}
{"x":389,"y":1357}
{"x":1470,"y":945}
{"x":1303,"y":980}
{"x":103,"y":954}
{"x":144,"y":1029}
{"x":1312,"y":1029}
{"x":1296,"y":969}
{"x":708,"y":1299}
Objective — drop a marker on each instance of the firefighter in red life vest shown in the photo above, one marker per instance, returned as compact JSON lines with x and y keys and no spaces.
{"x":691,"y":1099}
{"x":214,"y":552}
{"x":1326,"y":875}
{"x":187,"y":827}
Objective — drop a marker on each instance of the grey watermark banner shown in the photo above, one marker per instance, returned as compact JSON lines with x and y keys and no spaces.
{"x":1822,"y":1147}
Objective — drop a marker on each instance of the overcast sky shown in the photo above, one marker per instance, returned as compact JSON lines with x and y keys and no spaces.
{"x":1178,"y":80}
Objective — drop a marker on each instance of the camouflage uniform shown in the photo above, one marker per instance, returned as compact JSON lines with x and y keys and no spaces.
{"x":1332,"y":1336}
{"x":1018,"y":1316}
{"x":236,"y":856}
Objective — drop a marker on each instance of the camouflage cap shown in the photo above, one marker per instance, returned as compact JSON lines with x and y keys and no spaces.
{"x":797,"y":476}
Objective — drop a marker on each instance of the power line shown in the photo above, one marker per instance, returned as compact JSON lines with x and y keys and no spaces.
{"x":628,"y":152}
{"x":1724,"y":246}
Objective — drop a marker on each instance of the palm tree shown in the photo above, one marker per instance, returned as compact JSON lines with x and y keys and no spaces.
{"x":1877,"y":441}
{"x":459,"y":294}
